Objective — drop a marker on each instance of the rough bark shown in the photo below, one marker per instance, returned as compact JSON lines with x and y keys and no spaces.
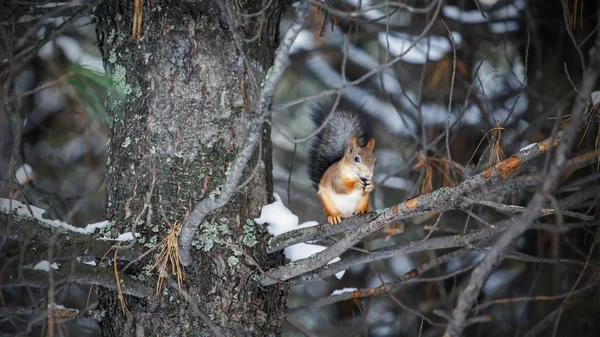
{"x":185,"y":104}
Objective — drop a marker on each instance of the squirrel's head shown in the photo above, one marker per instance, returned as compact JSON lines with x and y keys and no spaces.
{"x":360,"y":159}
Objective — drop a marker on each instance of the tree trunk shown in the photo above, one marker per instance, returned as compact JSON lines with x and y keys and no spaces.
{"x":179,"y":118}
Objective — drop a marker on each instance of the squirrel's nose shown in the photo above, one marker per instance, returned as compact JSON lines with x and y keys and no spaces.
{"x":364,"y":179}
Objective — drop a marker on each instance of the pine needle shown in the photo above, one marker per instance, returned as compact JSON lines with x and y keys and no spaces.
{"x":136,"y":30}
{"x":90,"y":90}
{"x":574,"y":15}
{"x":427,"y":182}
{"x":592,"y":115}
{"x":169,"y":255}
{"x":116,"y":271}
{"x":440,"y":165}
{"x":496,"y":154}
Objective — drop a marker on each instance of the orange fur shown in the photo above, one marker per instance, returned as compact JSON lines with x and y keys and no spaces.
{"x":331,"y":212}
{"x":349,"y":184}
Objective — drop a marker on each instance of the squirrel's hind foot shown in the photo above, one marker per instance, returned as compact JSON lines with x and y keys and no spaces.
{"x":334,"y":219}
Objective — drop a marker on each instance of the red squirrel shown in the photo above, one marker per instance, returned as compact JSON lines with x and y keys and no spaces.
{"x":341,"y":164}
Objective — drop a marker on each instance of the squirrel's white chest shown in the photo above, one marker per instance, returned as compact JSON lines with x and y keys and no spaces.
{"x":346,"y":203}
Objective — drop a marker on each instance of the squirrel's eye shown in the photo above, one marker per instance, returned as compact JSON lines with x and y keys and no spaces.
{"x":357,"y":159}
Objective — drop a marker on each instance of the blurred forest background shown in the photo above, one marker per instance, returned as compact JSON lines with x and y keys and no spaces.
{"x":498,"y":75}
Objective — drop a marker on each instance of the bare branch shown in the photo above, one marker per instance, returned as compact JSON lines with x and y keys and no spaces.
{"x":522,"y":223}
{"x":370,"y":73}
{"x":440,"y":200}
{"x":405,"y":279}
{"x":514,"y":184}
{"x":444,"y":242}
{"x":78,"y":273}
{"x":535,"y":298}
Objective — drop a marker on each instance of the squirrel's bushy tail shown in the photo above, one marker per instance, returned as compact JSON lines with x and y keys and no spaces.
{"x":328,"y":146}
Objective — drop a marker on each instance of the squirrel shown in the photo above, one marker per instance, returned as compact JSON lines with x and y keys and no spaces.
{"x":341,"y":164}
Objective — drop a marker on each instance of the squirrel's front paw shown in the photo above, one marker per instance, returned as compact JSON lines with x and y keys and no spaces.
{"x":365,"y":185}
{"x":334,"y":219}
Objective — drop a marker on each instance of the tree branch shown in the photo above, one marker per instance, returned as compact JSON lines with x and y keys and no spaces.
{"x":444,"y":242}
{"x":406,"y":278}
{"x":78,"y":273}
{"x":323,"y":231}
{"x":74,"y":245}
{"x":442,"y":199}
{"x":522,"y":223}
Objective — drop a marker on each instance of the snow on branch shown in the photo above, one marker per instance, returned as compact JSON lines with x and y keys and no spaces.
{"x":281,"y":220}
{"x":9,"y":206}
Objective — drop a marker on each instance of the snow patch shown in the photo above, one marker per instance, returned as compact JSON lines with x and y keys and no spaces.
{"x":304,"y":41}
{"x":528,"y":147}
{"x":596,"y":97}
{"x":127,"y":236}
{"x":45,"y":266}
{"x":504,"y":27}
{"x":88,"y":261}
{"x":457,"y":14}
{"x":343,"y":290}
{"x":24,"y":174}
{"x":56,"y":306}
{"x":474,"y":16}
{"x":73,"y":51}
{"x":279,"y":217}
{"x":404,"y":44}
{"x":301,"y":251}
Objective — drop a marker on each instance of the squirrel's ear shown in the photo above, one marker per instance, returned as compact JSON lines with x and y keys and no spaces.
{"x":352,"y":143}
{"x":371,"y":144}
